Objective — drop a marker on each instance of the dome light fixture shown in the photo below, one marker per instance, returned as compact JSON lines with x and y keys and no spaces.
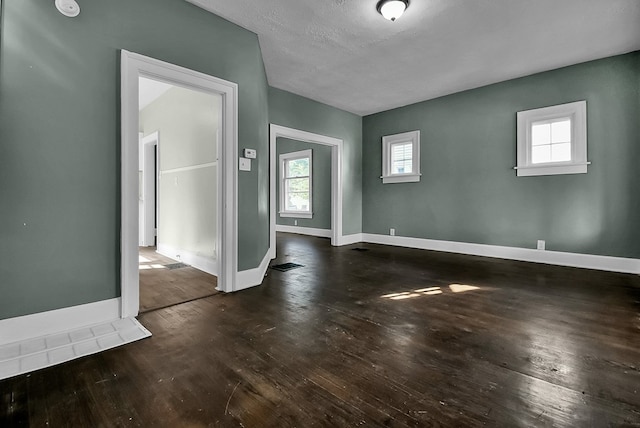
{"x":392,"y":9}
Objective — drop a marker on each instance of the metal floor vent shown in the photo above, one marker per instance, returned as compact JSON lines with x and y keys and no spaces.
{"x":286,"y":266}
{"x":173,"y":266}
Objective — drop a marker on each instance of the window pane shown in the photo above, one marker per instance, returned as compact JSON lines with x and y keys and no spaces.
{"x":561,"y":152}
{"x":401,"y":158}
{"x":540,"y":133}
{"x":541,"y":154}
{"x":297,"y":185}
{"x":402,"y":167}
{"x":297,"y":194}
{"x":297,"y":201}
{"x":297,"y":167}
{"x":561,"y":131}
{"x":402,"y":150}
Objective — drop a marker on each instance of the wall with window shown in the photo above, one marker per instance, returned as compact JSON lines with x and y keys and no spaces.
{"x":60,"y":138}
{"x":297,"y":112}
{"x":321,"y":183}
{"x":469,"y":191}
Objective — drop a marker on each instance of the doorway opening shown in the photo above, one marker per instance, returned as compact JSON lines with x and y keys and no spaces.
{"x":178,"y":209}
{"x":336,"y":145}
{"x":184,"y":186}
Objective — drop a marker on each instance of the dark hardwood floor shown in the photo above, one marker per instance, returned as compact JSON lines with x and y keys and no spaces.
{"x":384,"y":337}
{"x":161,"y":287}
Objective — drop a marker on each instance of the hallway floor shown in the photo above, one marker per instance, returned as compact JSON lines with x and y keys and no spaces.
{"x":379,"y":337}
{"x":162,"y":285}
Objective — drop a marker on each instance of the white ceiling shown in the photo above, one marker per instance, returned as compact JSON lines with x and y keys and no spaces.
{"x":150,"y":90}
{"x":343,"y":53}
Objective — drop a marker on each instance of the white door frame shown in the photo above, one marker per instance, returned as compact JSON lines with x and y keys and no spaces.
{"x":132,"y":67}
{"x":149,"y":187}
{"x":336,"y":145}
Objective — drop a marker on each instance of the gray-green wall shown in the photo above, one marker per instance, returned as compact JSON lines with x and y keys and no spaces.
{"x":469,"y":191}
{"x":297,"y":112}
{"x":60,"y":138}
{"x":320,"y":179}
{"x":60,"y":150}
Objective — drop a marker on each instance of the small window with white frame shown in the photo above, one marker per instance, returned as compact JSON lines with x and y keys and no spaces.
{"x":401,"y":158}
{"x":553,"y":140}
{"x":296,"y":184}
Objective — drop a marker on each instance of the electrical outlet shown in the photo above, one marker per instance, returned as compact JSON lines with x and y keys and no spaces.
{"x":541,"y":244}
{"x":295,"y":222}
{"x":392,"y":232}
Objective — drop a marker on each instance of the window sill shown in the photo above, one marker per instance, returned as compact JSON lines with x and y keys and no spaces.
{"x":404,"y":178}
{"x":552,"y":169}
{"x":296,"y":215}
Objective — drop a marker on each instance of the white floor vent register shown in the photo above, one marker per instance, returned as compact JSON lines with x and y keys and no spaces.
{"x":35,"y":354}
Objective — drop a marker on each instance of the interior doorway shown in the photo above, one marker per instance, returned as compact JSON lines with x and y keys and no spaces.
{"x":336,"y":145}
{"x":178,"y":160}
{"x":303,"y":188}
{"x":181,"y":241}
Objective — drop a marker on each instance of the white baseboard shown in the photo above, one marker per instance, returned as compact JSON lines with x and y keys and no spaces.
{"x":311,"y":231}
{"x":349,"y":239}
{"x":587,"y":261}
{"x":51,"y":322}
{"x":252,"y":277}
{"x":323,"y":233}
{"x":205,"y":264}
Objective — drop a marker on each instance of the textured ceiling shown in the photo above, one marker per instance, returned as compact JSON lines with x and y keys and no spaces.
{"x":343,"y":53}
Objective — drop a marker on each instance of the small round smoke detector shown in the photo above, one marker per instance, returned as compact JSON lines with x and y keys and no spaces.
{"x":68,"y":7}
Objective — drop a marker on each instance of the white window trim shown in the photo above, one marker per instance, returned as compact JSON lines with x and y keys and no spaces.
{"x":577,"y":111}
{"x":291,"y":156}
{"x":387,"y":141}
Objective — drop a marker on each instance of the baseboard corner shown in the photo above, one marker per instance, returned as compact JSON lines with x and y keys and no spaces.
{"x":253,"y":277}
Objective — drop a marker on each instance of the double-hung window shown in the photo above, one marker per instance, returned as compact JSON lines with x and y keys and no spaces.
{"x":401,"y":157}
{"x":296,"y":184}
{"x":553,"y":140}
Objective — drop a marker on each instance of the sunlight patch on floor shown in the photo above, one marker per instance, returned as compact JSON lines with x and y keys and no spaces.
{"x":153,"y":266}
{"x":461,"y":288}
{"x":429,"y":291}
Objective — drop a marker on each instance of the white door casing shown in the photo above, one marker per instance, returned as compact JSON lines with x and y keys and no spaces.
{"x":336,"y":145}
{"x":134,"y":66}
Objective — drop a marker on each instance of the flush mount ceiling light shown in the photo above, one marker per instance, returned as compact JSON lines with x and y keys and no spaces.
{"x":68,"y":8}
{"x":392,"y":9}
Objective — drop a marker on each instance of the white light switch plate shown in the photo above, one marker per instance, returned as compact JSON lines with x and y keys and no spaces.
{"x":244,"y":164}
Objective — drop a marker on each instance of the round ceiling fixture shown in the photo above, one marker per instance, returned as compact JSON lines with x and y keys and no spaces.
{"x":68,"y":8}
{"x":392,"y":9}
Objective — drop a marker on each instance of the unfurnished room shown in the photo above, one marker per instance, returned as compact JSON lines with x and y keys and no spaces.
{"x":297,"y":213}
